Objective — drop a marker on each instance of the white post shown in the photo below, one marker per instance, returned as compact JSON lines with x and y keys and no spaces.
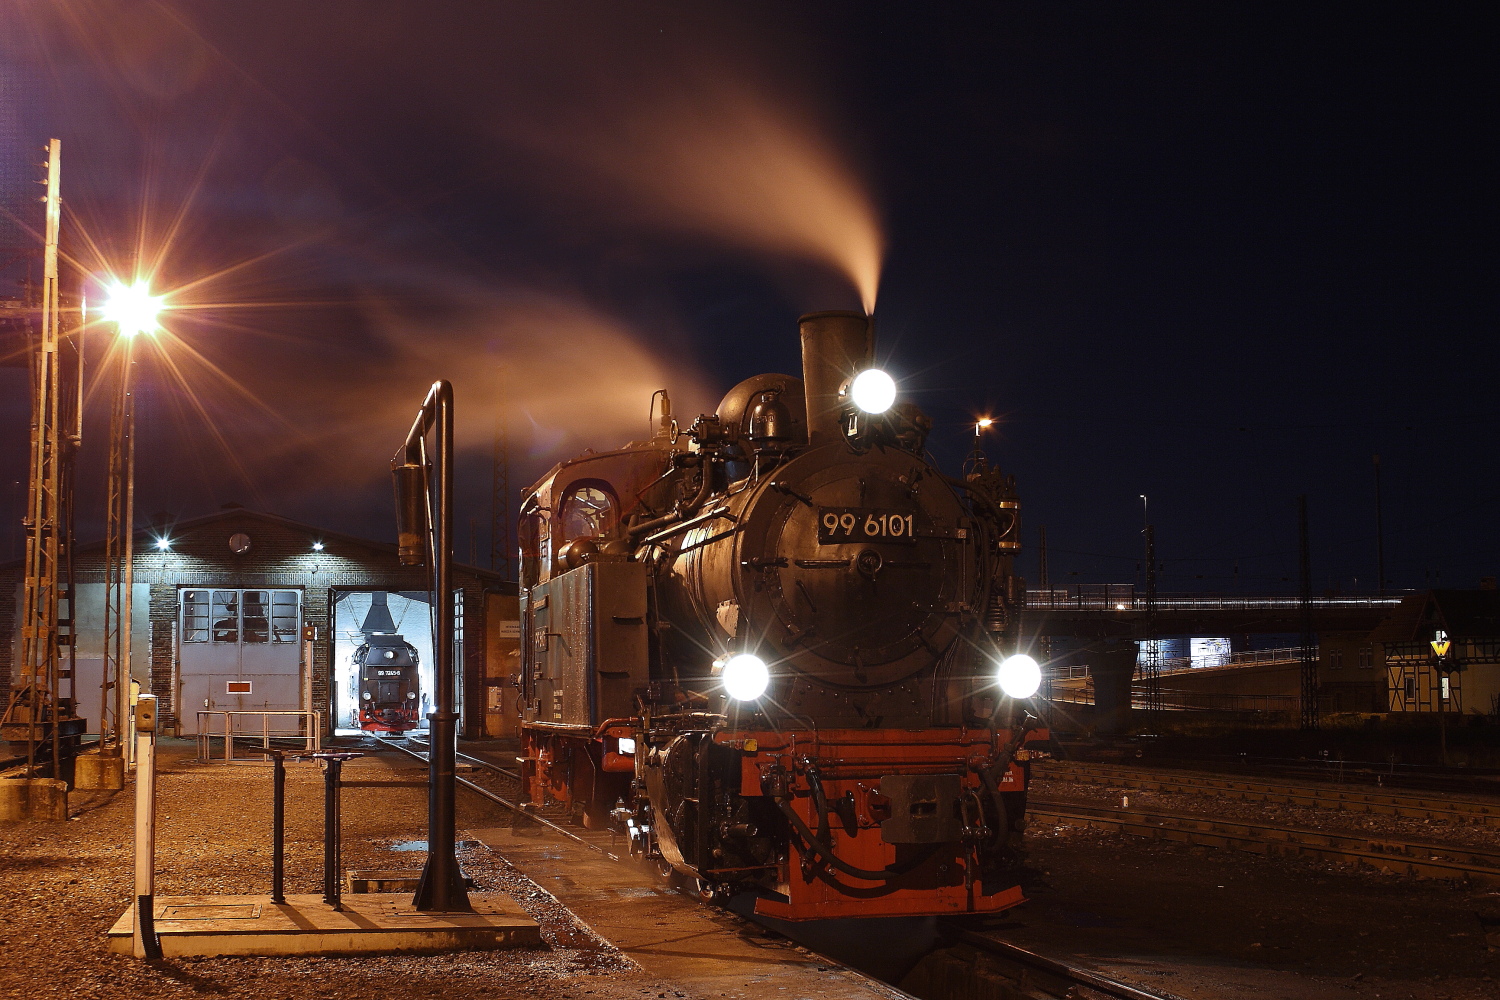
{"x":146,"y":944}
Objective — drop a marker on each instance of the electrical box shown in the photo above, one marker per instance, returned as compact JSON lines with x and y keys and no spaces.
{"x":145,"y":714}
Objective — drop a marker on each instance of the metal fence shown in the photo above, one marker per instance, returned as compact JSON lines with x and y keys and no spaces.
{"x":1123,"y":597}
{"x":310,"y":732}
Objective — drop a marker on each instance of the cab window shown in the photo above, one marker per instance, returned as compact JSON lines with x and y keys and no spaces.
{"x":588,"y":511}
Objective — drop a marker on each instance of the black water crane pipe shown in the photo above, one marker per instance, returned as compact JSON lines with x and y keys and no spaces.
{"x":441,"y":888}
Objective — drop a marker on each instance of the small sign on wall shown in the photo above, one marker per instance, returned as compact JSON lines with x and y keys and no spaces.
{"x":510,"y":630}
{"x":237,"y":687}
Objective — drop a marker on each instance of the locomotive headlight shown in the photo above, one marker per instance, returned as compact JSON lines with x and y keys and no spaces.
{"x":1019,"y":676}
{"x":367,"y":696}
{"x":745,"y":677}
{"x":411,"y":695}
{"x":873,"y":390}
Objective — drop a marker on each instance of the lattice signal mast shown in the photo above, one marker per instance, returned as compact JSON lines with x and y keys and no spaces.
{"x":501,"y":550}
{"x":39,"y":714}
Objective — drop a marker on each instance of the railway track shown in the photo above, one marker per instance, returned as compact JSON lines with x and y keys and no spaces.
{"x":494,"y":797}
{"x":1039,"y":974}
{"x":1410,"y":805}
{"x":1031,"y":971}
{"x":1387,"y":853}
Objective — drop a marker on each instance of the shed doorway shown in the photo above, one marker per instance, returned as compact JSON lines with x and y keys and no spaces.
{"x":357,"y":614}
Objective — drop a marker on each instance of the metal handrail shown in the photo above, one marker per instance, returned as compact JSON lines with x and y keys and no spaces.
{"x":1123,"y":597}
{"x":312,"y":732}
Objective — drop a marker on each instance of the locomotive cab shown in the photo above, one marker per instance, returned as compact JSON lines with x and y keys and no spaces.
{"x":766,"y":648}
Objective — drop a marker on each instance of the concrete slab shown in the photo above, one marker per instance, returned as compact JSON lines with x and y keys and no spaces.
{"x":30,"y":799}
{"x":700,"y":947}
{"x":96,"y":772}
{"x":204,"y":926}
{"x":385,"y":880}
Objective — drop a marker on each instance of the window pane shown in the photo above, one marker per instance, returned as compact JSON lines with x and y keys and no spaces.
{"x":226,"y":616}
{"x":256,"y":615}
{"x":588,"y":512}
{"x":284,"y":616}
{"x":195,"y":616}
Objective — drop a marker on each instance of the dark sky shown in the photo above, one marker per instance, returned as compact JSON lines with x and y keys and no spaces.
{"x":1217,"y":254}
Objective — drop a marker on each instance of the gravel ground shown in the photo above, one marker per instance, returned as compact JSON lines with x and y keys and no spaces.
{"x":67,"y":883}
{"x":1210,"y":804}
{"x":1228,"y":925}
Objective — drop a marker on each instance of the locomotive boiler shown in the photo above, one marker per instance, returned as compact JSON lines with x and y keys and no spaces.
{"x":777,"y":648}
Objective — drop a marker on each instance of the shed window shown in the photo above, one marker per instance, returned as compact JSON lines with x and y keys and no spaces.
{"x":1411,"y":689}
{"x":1366,"y":658}
{"x":195,"y":616}
{"x":284,"y":616}
{"x":226,"y":616}
{"x":587,"y":512}
{"x":257,"y":617}
{"x":1335,"y":659}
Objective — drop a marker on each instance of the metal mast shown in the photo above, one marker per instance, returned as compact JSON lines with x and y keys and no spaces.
{"x":37,"y":713}
{"x":500,"y":547}
{"x":119,"y":552}
{"x":1153,"y":640}
{"x":1309,"y":654}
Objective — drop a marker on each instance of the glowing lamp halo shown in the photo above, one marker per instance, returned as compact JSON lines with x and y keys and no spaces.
{"x":745,"y":677}
{"x":132,"y":308}
{"x":1019,"y":676}
{"x":873,"y":391}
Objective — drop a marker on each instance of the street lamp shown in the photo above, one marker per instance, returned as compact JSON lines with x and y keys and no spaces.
{"x":134,"y":311}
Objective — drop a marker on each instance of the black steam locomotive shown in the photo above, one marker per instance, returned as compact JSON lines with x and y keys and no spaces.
{"x":386,"y":665}
{"x":777,"y":648}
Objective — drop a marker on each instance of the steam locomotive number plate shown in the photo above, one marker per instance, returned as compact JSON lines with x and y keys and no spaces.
{"x":841,"y":525}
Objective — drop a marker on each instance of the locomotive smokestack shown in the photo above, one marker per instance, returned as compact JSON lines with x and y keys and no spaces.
{"x":835,"y":346}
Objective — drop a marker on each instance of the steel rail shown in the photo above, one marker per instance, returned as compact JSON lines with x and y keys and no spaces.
{"x":1069,"y":975}
{"x":1415,"y":858}
{"x":1410,"y":805}
{"x":1050,"y":974}
{"x":498,"y":800}
{"x":476,"y":761}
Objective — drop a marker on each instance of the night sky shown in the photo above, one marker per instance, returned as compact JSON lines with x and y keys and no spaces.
{"x":1219,"y":255}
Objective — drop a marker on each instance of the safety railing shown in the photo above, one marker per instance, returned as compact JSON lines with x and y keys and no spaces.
{"x":1188,"y":701}
{"x":309,"y":731}
{"x":1125,"y":597}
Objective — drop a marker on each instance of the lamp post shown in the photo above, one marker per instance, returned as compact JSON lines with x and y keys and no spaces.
{"x":134,"y":311}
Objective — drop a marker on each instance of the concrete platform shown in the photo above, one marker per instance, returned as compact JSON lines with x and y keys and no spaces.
{"x":203,"y":926}
{"x":708,"y":951}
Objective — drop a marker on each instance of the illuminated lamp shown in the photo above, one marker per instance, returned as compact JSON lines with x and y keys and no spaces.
{"x":873,"y":391}
{"x":745,"y":677}
{"x":1019,"y":676}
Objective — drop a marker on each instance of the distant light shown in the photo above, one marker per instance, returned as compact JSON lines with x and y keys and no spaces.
{"x":1019,"y":676}
{"x":873,"y":391}
{"x":317,"y":546}
{"x":982,"y":423}
{"x":164,"y":544}
{"x":1119,"y":607}
{"x":627,"y":745}
{"x":745,"y":677}
{"x":132,"y":308}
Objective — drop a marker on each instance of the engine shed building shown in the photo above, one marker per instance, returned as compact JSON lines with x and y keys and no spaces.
{"x":219,"y":603}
